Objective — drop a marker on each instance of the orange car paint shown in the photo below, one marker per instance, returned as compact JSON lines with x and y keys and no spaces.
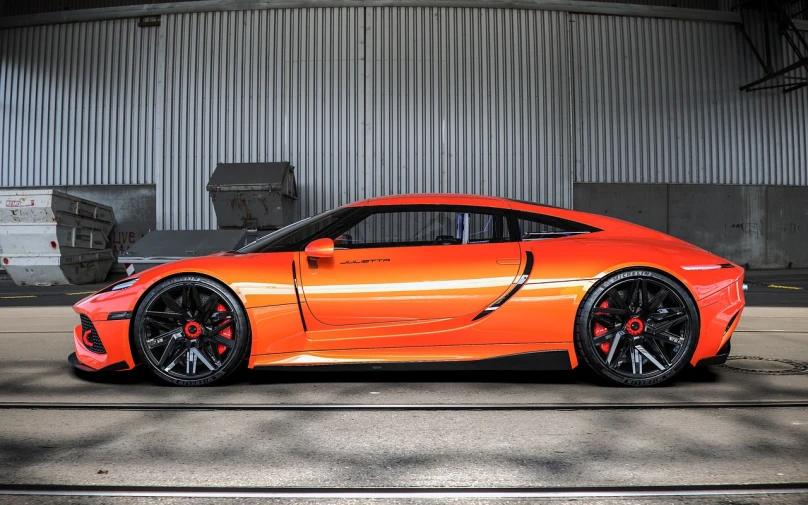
{"x":421,"y":304}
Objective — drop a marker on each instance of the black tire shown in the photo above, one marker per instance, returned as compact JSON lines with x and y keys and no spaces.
{"x":637,"y":328}
{"x":191,"y":331}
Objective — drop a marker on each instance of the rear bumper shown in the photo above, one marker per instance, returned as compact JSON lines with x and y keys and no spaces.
{"x":115,"y":337}
{"x":720,"y":314}
{"x":718,"y":359}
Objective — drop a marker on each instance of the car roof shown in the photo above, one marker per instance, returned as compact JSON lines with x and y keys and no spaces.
{"x":436,"y":199}
{"x":595,"y":220}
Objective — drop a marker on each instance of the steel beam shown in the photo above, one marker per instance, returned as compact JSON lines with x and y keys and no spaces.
{"x":137,"y":11}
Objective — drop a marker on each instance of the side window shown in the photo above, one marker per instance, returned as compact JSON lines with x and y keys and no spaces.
{"x":486,"y":228}
{"x":541,"y":227}
{"x":424,"y":227}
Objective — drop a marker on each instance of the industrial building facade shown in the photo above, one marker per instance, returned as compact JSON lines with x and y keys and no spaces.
{"x":604,"y":107}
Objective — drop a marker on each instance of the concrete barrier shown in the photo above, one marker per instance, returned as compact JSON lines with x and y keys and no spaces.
{"x":763,"y":226}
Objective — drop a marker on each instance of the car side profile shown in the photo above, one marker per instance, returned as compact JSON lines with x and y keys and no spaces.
{"x":419,"y":282}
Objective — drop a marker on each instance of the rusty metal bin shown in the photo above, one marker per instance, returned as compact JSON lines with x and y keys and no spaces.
{"x":254,"y":196}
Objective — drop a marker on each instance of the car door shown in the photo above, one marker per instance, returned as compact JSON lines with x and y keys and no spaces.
{"x":412,"y":264}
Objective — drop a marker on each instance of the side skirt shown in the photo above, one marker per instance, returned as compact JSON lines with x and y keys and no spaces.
{"x":529,"y":361}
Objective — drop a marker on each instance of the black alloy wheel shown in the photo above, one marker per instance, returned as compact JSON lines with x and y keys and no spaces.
{"x":191,"y":331}
{"x":637,"y":328}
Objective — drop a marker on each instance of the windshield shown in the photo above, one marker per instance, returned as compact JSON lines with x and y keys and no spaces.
{"x":296,"y":235}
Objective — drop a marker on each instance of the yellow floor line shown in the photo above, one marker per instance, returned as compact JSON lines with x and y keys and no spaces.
{"x":783,"y":287}
{"x":81,"y":293}
{"x":18,"y":296}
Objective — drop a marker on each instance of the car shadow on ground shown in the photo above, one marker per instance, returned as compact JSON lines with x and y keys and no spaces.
{"x":245,"y":376}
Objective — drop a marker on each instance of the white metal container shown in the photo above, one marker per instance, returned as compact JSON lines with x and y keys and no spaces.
{"x":49,"y":237}
{"x":54,"y":270}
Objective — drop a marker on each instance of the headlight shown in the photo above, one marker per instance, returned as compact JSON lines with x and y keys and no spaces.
{"x":125,"y":284}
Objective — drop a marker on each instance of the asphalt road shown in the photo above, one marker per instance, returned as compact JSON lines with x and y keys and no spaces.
{"x":366,"y":448}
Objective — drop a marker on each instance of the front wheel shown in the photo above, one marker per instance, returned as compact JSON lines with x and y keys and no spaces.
{"x":191,"y":331}
{"x":637,"y":328}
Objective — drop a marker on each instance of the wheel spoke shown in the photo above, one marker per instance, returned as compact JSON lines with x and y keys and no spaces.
{"x":616,"y":300}
{"x":186,"y":299}
{"x":664,"y":313}
{"x":195,"y":299}
{"x":645,"y":296}
{"x":218,"y":339}
{"x":615,"y":344}
{"x":201,"y":357}
{"x":609,"y":323}
{"x":215,"y":331}
{"x":212,"y":352}
{"x":611,"y":310}
{"x":190,"y":361}
{"x":656,"y":301}
{"x":635,"y":290}
{"x":666,"y":325}
{"x":169,"y":352}
{"x":648,"y":355}
{"x":600,"y":339}
{"x":162,"y":338}
{"x":210,"y":306}
{"x":621,"y":350}
{"x":161,"y":325}
{"x":639,"y":359}
{"x":654,"y":346}
{"x":636,"y":361}
{"x":667,"y":337}
{"x":216,"y":316}
{"x":171,"y":303}
{"x":164,"y":315}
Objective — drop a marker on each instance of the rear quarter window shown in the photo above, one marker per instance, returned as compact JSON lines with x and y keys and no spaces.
{"x":542,"y":227}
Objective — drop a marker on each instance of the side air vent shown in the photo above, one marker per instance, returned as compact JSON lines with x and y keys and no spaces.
{"x":89,"y":337}
{"x":731,"y":322}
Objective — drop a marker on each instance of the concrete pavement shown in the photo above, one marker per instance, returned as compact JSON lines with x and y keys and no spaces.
{"x":367,"y":448}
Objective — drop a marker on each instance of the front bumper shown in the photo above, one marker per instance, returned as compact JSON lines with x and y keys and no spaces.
{"x":115,"y":337}
{"x":115,"y":367}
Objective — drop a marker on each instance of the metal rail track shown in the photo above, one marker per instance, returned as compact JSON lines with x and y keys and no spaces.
{"x":400,"y":407}
{"x":399,"y":493}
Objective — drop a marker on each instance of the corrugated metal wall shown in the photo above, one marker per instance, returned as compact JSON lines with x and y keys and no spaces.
{"x":77,"y":104}
{"x":366,"y":102}
{"x":28,"y":7}
{"x":256,"y":86}
{"x":373,"y":101}
{"x":467,"y":100}
{"x":657,"y":101}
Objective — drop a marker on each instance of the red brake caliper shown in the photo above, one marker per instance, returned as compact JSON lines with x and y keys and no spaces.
{"x":600,"y":330}
{"x":226,"y":333}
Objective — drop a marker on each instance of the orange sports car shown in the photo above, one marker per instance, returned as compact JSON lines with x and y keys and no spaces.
{"x":425,"y":282}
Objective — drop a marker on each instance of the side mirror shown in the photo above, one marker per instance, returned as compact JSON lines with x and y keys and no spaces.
{"x":320,"y":248}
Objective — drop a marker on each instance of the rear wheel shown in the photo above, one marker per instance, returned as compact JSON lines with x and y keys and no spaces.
{"x":191,"y":331}
{"x":637,"y":328}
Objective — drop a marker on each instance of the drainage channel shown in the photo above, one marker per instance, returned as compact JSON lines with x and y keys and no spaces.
{"x":403,"y":493}
{"x":400,"y":407}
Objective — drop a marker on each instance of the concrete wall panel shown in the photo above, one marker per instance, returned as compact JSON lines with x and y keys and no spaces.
{"x":763,"y":226}
{"x":787,"y":229}
{"x":643,"y":204}
{"x":729,"y":221}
